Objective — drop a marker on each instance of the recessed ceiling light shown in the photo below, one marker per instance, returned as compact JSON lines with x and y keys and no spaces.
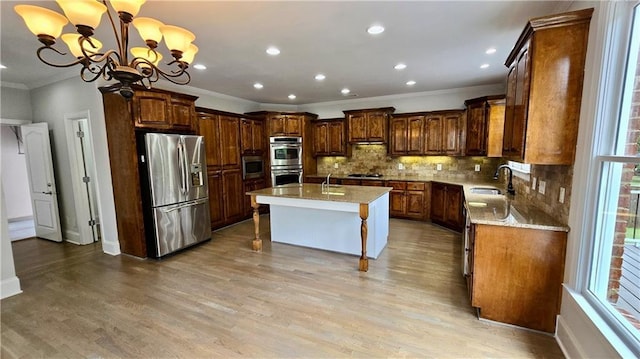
{"x":411,"y":83}
{"x":490,"y":51}
{"x":258,"y":85}
{"x":400,"y":66}
{"x":292,"y":97}
{"x":273,"y":51}
{"x":2,"y":66}
{"x":199,"y":67}
{"x":375,"y":29}
{"x":320,"y":77}
{"x":345,"y":91}
{"x":484,"y":66}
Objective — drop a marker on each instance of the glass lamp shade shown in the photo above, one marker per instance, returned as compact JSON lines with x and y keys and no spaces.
{"x":147,"y":54}
{"x":190,"y":54}
{"x":83,"y":12}
{"x":72,"y":41}
{"x":41,"y":21}
{"x":177,"y":38}
{"x":131,"y":7}
{"x":148,"y":28}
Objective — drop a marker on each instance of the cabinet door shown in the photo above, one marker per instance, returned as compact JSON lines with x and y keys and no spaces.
{"x":415,"y":204}
{"x":471,"y":231}
{"x":320,"y":138}
{"x":293,"y":126}
{"x":350,"y":182}
{"x":336,"y":138}
{"x":246,"y":136}
{"x":209,"y":129}
{"x":216,"y":203}
{"x":415,"y":135}
{"x":233,"y":195}
{"x":397,"y":203}
{"x":509,"y":111}
{"x":438,"y":203}
{"x":521,"y":105}
{"x":230,"y":141}
{"x":453,"y":207}
{"x":377,"y":126}
{"x":372,"y":183}
{"x":451,"y":134}
{"x":357,"y":127}
{"x":476,"y":129}
{"x":277,"y":125}
{"x":398,"y":136}
{"x":152,"y":110}
{"x":432,"y":135}
{"x":258,"y":137}
{"x":182,"y":111}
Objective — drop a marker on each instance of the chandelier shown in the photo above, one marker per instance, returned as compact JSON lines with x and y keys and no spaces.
{"x":86,"y":15}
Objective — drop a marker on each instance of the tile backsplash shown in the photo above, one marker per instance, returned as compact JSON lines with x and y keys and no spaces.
{"x":374,"y":159}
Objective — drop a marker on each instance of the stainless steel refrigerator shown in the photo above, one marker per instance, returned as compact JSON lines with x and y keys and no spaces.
{"x":175,"y":192}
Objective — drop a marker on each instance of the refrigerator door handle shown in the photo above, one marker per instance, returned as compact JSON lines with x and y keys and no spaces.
{"x":187,"y":169}
{"x":167,"y":209}
{"x":183,"y":179}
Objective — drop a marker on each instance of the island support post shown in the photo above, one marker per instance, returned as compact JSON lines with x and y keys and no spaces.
{"x":364,"y":214}
{"x":257,"y":242}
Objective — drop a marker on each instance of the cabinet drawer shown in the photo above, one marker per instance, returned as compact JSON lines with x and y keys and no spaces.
{"x":374,"y":183}
{"x":415,"y":186}
{"x":397,"y":185}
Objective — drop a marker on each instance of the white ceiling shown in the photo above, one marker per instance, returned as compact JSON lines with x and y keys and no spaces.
{"x":442,"y":43}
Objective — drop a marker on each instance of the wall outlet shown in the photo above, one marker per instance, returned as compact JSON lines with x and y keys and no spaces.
{"x":336,"y":165}
{"x":542,"y":186}
{"x":439,"y":167}
{"x":533,"y":184}
{"x":562,"y":193}
{"x":477,"y":168}
{"x":400,"y":166}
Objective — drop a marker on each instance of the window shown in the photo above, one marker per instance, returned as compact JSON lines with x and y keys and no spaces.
{"x":613,"y":283}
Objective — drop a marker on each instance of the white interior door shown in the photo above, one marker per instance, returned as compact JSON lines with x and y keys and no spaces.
{"x":44,"y":197}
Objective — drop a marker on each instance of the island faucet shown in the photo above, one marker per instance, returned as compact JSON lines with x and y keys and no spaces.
{"x":326,"y":182}
{"x":510,"y":189}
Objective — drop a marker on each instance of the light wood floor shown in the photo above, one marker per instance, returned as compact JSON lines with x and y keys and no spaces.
{"x":221,"y":299}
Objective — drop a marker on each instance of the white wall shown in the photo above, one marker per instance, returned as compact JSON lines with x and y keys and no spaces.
{"x":414,"y":102}
{"x":50,"y":103}
{"x":213,"y":100}
{"x":15,"y":102}
{"x":13,"y":167}
{"x":9,"y":283}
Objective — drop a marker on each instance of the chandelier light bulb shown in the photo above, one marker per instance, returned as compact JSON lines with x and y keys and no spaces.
{"x":44,"y":23}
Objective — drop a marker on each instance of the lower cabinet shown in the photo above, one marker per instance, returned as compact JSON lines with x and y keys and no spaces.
{"x":446,"y":205}
{"x":516,"y":275}
{"x":252,"y":185}
{"x":225,"y":197}
{"x":408,"y":199}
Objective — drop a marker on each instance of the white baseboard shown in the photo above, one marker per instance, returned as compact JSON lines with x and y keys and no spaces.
{"x":111,"y":248}
{"x":20,"y":219}
{"x":567,"y":340}
{"x":72,"y":237}
{"x":10,"y":287}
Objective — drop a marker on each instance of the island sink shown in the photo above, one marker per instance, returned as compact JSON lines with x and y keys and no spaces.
{"x":485,"y":190}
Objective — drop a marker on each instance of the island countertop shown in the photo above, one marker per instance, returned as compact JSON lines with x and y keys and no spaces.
{"x":335,"y":193}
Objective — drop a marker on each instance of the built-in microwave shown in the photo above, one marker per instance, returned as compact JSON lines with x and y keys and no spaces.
{"x":252,"y":167}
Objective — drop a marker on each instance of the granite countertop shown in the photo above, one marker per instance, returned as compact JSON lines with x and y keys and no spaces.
{"x":335,"y":193}
{"x":497,"y":210}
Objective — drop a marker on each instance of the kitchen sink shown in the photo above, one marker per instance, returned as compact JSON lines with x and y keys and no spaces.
{"x":485,"y":190}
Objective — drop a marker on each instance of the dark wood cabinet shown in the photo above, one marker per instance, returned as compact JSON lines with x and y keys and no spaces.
{"x":406,"y":135}
{"x":252,"y":137}
{"x":544,"y":89}
{"x":444,"y":133}
{"x":408,"y":199}
{"x":446,"y":205}
{"x":285,"y":125}
{"x":232,"y":195}
{"x":370,"y":125}
{"x":229,"y":141}
{"x":216,"y":200}
{"x":329,"y":137}
{"x":485,"y":126}
{"x":163,"y":111}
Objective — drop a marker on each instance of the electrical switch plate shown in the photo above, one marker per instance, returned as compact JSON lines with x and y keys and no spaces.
{"x":561,"y":197}
{"x":533,"y":184}
{"x":400,"y":166}
{"x":542,"y":186}
{"x":439,"y":167}
{"x":477,"y":168}
{"x":336,"y":165}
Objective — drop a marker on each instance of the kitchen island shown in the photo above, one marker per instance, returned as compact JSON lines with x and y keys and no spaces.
{"x":326,"y":217}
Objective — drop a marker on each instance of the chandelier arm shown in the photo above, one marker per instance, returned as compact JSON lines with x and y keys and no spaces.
{"x":115,"y":33}
{"x":101,"y":71}
{"x":77,"y":61}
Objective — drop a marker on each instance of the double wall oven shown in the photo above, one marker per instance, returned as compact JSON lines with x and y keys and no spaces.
{"x":285,"y":155}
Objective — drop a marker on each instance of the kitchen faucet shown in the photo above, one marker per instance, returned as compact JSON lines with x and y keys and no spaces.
{"x":510,"y":189}
{"x":326,"y":182}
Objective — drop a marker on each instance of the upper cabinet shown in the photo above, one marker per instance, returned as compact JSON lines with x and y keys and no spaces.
{"x":162,"y":110}
{"x":544,"y":89}
{"x":406,"y":135}
{"x":444,"y":133}
{"x":485,"y":126}
{"x":285,"y":125}
{"x":221,"y":132}
{"x":252,"y":137}
{"x":329,"y":137}
{"x":369,"y":125}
